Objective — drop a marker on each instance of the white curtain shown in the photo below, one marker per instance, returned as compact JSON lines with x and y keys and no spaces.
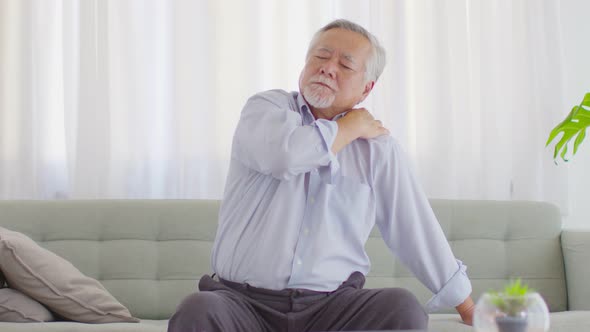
{"x":139,"y":98}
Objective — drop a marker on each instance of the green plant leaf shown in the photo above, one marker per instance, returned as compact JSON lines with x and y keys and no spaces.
{"x":513,"y":299}
{"x":579,"y":140}
{"x":574,"y":125}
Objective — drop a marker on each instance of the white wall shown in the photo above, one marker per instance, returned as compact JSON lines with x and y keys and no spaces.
{"x":576,"y":51}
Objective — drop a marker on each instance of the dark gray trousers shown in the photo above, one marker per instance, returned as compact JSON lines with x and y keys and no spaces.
{"x":228,"y":306}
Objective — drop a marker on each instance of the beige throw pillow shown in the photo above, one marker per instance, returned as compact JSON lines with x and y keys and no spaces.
{"x":56,"y":283}
{"x":16,"y":307}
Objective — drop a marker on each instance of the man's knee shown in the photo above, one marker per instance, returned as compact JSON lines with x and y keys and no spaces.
{"x":405,"y":311}
{"x":197,"y":312}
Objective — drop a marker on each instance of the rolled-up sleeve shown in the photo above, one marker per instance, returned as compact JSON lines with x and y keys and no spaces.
{"x":412,"y":232}
{"x":454,"y":292}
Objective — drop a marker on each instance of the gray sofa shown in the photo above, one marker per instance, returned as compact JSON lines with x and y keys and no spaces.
{"x":150,"y":254}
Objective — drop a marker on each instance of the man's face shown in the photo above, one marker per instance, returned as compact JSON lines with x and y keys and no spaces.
{"x":334,"y":73}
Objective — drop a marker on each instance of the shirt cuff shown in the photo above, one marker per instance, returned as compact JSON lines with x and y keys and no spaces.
{"x":328,"y":130}
{"x":453,"y":293}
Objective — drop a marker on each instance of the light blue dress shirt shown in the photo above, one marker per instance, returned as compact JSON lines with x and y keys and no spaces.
{"x":294,"y":215}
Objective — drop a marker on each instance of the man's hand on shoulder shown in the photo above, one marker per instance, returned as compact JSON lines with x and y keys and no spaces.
{"x":357,"y":123}
{"x":363,"y":123}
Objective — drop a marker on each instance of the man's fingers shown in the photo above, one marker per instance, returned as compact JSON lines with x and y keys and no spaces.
{"x":376,"y":131}
{"x":380,"y":129}
{"x":368,"y":126}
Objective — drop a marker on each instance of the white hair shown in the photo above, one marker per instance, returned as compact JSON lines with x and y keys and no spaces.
{"x":376,"y":62}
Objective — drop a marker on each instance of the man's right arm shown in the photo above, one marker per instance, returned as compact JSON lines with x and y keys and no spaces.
{"x":271,"y":139}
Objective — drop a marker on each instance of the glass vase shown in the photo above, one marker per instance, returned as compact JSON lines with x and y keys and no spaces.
{"x":503,"y":313}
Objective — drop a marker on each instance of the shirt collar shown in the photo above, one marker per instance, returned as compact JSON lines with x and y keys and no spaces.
{"x":304,"y":109}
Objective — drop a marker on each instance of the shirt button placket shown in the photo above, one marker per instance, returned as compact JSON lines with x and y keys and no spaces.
{"x":301,"y":243}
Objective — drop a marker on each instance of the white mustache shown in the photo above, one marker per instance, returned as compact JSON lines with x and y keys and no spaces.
{"x":323,"y":80}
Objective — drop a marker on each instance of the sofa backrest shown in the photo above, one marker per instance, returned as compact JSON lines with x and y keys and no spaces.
{"x":497,"y":240}
{"x":150,"y":253}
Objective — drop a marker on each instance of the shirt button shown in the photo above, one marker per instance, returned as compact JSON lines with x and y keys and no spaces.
{"x":306,"y":231}
{"x":298,"y":262}
{"x":312,"y":200}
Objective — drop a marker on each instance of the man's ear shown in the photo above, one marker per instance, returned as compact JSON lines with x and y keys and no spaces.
{"x":368,"y":87}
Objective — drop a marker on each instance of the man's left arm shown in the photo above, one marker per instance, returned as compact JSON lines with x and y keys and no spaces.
{"x":411,"y":230}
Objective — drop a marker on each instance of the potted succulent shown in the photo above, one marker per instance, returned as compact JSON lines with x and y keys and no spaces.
{"x":574,"y":124}
{"x":512,"y":304}
{"x":515,"y":309}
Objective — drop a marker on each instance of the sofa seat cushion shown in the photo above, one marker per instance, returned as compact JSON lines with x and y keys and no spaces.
{"x":143,"y":326}
{"x":568,"y":321}
{"x":447,"y":323}
{"x":564,"y":321}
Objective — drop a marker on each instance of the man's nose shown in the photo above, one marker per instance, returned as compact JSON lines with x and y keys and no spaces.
{"x":329,"y":68}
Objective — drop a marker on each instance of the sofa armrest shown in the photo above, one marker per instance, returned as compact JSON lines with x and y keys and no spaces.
{"x":576,"y":253}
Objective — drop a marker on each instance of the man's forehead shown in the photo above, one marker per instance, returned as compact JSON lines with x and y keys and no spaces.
{"x":350,"y":43}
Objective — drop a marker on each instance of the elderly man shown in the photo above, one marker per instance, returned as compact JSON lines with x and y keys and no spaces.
{"x":310,"y":176}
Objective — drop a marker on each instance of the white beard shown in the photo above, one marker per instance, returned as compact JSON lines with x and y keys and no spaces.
{"x":318,"y":96}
